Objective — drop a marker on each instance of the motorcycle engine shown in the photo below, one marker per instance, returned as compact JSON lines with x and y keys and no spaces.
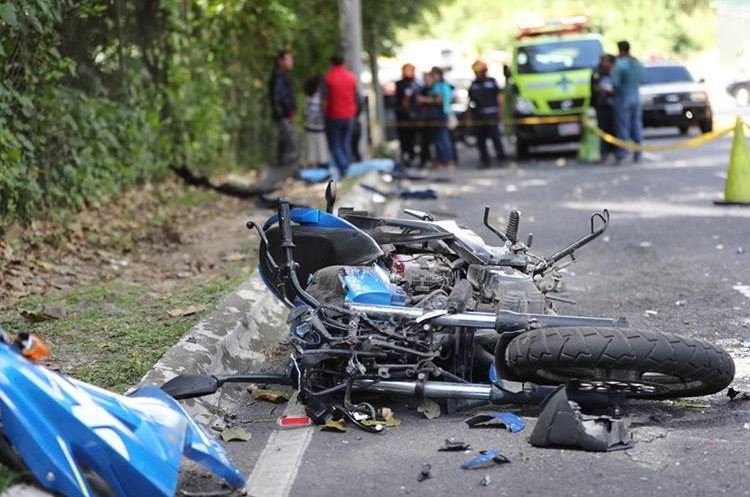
{"x":505,"y":288}
{"x":420,"y":273}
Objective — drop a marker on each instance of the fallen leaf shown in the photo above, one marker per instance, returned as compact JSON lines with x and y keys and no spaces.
{"x":187,"y":311}
{"x":332,"y":425}
{"x":690,"y":404}
{"x":275,"y":396}
{"x":429,"y":409}
{"x":236,"y":433}
{"x":388,"y":423}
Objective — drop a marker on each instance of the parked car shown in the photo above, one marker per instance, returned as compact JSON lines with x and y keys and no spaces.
{"x":671,"y":97}
{"x":740,"y":90}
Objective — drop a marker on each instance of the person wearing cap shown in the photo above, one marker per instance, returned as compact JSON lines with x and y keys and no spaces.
{"x":485,"y":106}
{"x":407,"y":89}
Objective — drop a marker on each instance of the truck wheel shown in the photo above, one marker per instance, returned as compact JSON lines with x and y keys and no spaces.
{"x":707,"y":125}
{"x":643,"y":364}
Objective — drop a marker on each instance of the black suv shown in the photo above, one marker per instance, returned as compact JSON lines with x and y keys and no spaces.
{"x":671,"y":97}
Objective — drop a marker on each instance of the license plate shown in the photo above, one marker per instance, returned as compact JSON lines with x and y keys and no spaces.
{"x":673,"y":109}
{"x":568,"y":129}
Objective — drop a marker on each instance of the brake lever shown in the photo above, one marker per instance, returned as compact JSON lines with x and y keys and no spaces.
{"x":595,"y":232}
{"x":252,"y":225}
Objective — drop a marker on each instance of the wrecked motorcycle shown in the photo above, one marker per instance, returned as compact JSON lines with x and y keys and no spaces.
{"x":428,"y":308}
{"x":78,"y":440}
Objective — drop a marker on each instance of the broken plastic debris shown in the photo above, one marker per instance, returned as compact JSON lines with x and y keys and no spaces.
{"x":561,"y":424}
{"x":453,"y":445}
{"x":651,"y":312}
{"x":486,"y":459}
{"x":719,"y":246}
{"x":737,"y":394}
{"x":485,"y":481}
{"x":429,"y":409}
{"x":424,"y":473}
{"x":644,"y":244}
{"x":740,"y":251}
{"x":236,"y":434}
{"x":746,"y":342}
{"x":506,"y":420}
{"x":681,"y":303}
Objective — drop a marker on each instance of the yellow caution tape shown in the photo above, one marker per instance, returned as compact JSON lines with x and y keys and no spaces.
{"x":683,"y":145}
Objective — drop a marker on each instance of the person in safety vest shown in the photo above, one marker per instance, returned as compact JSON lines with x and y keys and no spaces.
{"x":485,"y":107}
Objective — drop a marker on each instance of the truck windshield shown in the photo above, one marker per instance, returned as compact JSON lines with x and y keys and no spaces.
{"x":558,"y":56}
{"x":666,"y":74}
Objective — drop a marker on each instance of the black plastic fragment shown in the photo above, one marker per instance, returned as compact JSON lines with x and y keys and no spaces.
{"x":561,"y":424}
{"x":452,"y":445}
{"x":737,"y":394}
{"x":424,"y":473}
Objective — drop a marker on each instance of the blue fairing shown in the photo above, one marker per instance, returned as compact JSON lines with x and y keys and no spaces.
{"x":135,"y":443}
{"x":312,"y":217}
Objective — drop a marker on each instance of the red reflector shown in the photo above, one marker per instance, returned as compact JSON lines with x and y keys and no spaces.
{"x":290,"y":421}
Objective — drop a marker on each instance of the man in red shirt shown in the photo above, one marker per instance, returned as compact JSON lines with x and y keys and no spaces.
{"x":340,"y":93}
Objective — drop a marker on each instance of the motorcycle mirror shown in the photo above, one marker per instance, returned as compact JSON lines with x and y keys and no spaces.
{"x":330,"y":196}
{"x":189,"y":386}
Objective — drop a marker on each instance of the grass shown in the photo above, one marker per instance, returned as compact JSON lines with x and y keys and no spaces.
{"x":112,"y":333}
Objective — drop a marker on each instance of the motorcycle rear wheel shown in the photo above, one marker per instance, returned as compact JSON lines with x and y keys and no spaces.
{"x":643,"y":364}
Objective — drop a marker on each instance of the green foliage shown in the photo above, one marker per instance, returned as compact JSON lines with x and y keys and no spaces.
{"x":97,"y":95}
{"x":654,"y":27}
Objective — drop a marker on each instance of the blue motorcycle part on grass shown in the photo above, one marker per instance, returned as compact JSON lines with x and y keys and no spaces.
{"x":65,"y":430}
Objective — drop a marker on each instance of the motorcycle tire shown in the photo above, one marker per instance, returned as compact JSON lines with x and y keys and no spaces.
{"x":643,"y":364}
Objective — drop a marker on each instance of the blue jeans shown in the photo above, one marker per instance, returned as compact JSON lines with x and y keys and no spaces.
{"x":339,"y":135}
{"x":628,"y":125}
{"x":443,"y":147}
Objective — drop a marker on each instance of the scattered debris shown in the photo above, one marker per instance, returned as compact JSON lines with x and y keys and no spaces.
{"x":740,"y":251}
{"x":334,"y":425}
{"x":385,"y":413}
{"x":45,"y":313}
{"x":429,"y":409}
{"x":737,"y":394}
{"x":388,"y":423}
{"x":453,"y":445}
{"x":647,"y":434}
{"x":690,"y":404}
{"x":275,"y":396}
{"x":187,"y":311}
{"x":424,"y":473}
{"x":681,"y":303}
{"x":485,"y":481}
{"x":719,"y":247}
{"x":651,"y":312}
{"x":561,"y":424}
{"x":746,"y":342}
{"x":236,"y":434}
{"x":506,"y":420}
{"x":293,"y":421}
{"x":644,"y":244}
{"x":486,"y":459}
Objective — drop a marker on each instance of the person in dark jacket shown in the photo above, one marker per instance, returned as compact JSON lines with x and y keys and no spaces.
{"x":603,"y":101}
{"x":407,"y":89}
{"x":485,"y":101}
{"x":283,"y":109}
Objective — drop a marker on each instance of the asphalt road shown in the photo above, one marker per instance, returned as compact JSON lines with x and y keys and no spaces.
{"x":668,"y":251}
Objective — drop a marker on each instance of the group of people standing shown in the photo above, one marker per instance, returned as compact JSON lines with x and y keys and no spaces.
{"x":614,"y":95}
{"x":423,"y":111}
{"x":332,"y":105}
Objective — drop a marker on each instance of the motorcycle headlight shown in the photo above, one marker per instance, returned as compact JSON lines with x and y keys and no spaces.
{"x":699,"y":96}
{"x":524,"y":106}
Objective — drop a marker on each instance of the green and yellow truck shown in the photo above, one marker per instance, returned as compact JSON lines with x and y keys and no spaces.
{"x":548,"y":82}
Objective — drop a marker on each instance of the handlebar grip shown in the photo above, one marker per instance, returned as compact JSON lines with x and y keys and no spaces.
{"x":285,"y":224}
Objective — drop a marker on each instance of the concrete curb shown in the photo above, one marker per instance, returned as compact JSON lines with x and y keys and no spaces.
{"x":237,"y":337}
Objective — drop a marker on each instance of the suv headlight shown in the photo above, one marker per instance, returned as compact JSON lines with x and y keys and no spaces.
{"x":699,"y":96}
{"x":524,"y":106}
